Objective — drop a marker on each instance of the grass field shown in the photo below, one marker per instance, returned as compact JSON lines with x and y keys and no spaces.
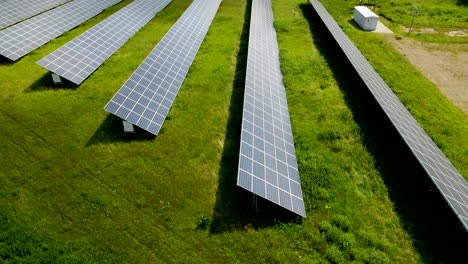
{"x":441,"y":15}
{"x":75,"y":189}
{"x":448,"y":13}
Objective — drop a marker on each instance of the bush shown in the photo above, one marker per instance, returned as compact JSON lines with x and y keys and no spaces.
{"x":324,"y":226}
{"x":204,"y":223}
{"x":337,"y":237}
{"x":370,"y":256}
{"x":342,"y":222}
{"x":334,"y":255}
{"x":376,"y":257}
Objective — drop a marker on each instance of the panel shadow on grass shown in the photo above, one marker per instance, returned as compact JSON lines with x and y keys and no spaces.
{"x":437,"y":234}
{"x":45,"y":83}
{"x":462,"y":3}
{"x":5,"y":61}
{"x":111,"y":131}
{"x":233,"y":208}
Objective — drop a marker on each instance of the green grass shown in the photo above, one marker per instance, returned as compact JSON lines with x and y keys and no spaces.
{"x":74,"y":188}
{"x":447,"y":13}
{"x":441,"y":15}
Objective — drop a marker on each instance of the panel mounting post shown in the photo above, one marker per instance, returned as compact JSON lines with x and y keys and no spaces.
{"x":255,"y":203}
{"x":56,"y":78}
{"x":128,"y":127}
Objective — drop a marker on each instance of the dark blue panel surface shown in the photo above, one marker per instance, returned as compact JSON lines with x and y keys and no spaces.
{"x":153,"y":86}
{"x":267,"y":160}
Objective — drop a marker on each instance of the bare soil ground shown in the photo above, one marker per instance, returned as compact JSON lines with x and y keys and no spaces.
{"x":446,"y":65}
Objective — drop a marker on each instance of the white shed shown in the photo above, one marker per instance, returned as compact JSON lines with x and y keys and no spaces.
{"x":365,"y":18}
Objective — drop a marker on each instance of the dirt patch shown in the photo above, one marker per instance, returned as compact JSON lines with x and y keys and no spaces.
{"x":446,"y":65}
{"x":457,"y":33}
{"x":420,"y":30}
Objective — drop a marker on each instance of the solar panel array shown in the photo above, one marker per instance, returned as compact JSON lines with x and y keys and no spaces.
{"x":80,"y":57}
{"x":267,"y":160}
{"x":13,"y":11}
{"x":147,"y":96}
{"x":451,"y":184}
{"x":22,"y":38}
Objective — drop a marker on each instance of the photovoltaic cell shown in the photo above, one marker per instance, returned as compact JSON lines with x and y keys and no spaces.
{"x":22,"y":38}
{"x":451,"y":184}
{"x":96,"y":45}
{"x":267,"y":160}
{"x":13,"y":11}
{"x":147,"y":96}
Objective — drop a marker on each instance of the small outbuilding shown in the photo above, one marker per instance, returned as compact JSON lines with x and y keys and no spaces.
{"x":365,"y":18}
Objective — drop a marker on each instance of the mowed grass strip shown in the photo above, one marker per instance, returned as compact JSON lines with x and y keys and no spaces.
{"x":72,"y":183}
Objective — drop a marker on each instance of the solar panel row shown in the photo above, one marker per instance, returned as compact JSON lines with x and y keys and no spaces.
{"x":267,"y":163}
{"x":13,"y":11}
{"x":80,"y":57}
{"x":451,"y":184}
{"x":22,"y":38}
{"x":267,"y":160}
{"x":147,"y":96}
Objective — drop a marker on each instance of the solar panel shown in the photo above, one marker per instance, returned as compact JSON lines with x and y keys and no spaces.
{"x":267,"y":160}
{"x":22,"y":38}
{"x":451,"y":184}
{"x":146,"y":97}
{"x":96,"y":45}
{"x":13,"y":11}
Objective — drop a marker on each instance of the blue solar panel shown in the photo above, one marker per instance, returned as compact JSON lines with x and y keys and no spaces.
{"x":146,"y":97}
{"x":267,"y":160}
{"x":22,"y":38}
{"x":13,"y":11}
{"x":96,"y":45}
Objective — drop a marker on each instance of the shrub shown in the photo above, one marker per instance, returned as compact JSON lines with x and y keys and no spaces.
{"x":204,"y":223}
{"x":342,"y":222}
{"x":376,"y":257}
{"x":334,"y":255}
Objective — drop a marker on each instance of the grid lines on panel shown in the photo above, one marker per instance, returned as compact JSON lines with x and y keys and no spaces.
{"x":267,"y":160}
{"x":97,"y":44}
{"x":146,"y":97}
{"x":450,"y":183}
{"x":22,"y":38}
{"x":13,"y":11}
